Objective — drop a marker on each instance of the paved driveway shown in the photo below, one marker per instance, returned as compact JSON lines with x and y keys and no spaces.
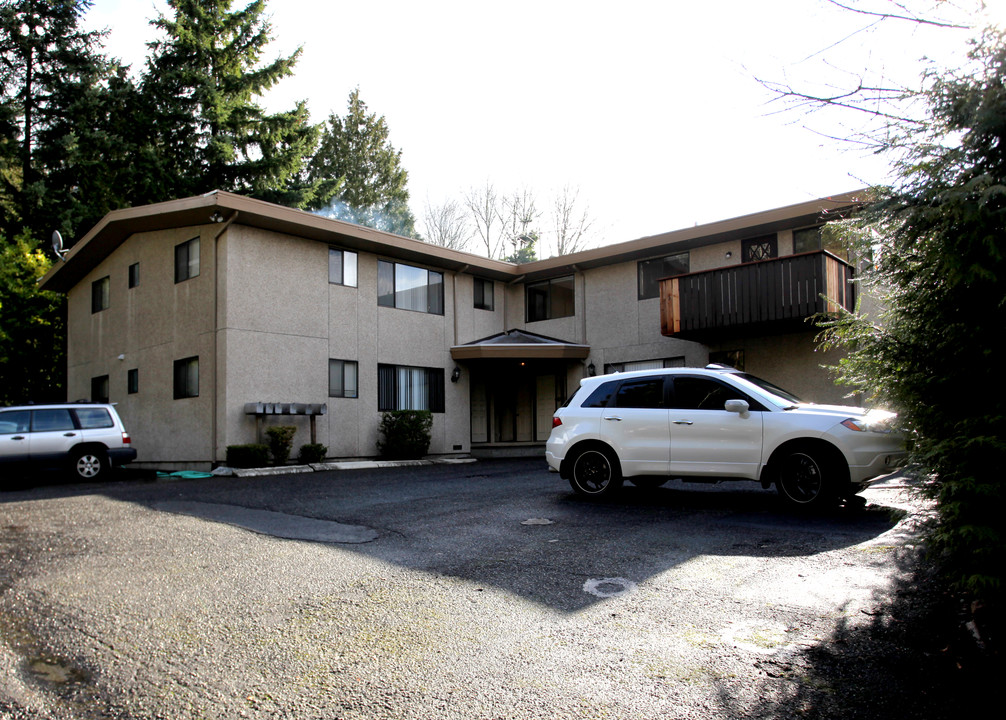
{"x":475,"y":591}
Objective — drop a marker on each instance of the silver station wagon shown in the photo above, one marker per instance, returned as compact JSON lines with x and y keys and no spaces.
{"x":85,"y":438}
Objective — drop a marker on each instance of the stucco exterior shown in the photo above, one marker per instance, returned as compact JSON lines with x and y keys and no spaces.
{"x":264,"y":320}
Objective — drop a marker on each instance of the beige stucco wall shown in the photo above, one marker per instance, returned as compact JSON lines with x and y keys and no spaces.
{"x":283,"y":321}
{"x":149,"y":327}
{"x":277,"y":320}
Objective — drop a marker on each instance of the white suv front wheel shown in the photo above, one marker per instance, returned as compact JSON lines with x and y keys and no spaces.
{"x":803,"y":478}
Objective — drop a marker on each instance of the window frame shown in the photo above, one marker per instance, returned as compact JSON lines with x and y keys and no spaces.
{"x":648,"y":283}
{"x":182,"y":385}
{"x":101,"y":294}
{"x":550,"y":303}
{"x":99,"y":389}
{"x":343,"y":365}
{"x":389,"y":290}
{"x":187,"y":264}
{"x":388,"y":397}
{"x":479,"y":287}
{"x":343,"y":265}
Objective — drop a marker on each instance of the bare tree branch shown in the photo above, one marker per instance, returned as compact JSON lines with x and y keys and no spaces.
{"x":446,"y":225}
{"x":892,"y":16}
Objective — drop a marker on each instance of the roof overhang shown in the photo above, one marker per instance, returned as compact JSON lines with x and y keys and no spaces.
{"x":519,"y":345}
{"x":218,"y":206}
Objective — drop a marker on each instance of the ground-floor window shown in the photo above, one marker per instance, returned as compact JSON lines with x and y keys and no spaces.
{"x":342,"y":376}
{"x":401,"y":387}
{"x":645,"y":364}
{"x":99,"y":389}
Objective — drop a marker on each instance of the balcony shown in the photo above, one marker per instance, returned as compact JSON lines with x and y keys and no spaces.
{"x":766,"y":297}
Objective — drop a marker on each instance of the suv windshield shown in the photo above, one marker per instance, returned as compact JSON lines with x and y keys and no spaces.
{"x":786,"y":397}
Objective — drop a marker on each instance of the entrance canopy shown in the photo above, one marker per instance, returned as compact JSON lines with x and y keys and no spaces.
{"x":514,"y":344}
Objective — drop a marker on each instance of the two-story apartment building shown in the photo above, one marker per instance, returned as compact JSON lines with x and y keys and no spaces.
{"x":204,"y":317}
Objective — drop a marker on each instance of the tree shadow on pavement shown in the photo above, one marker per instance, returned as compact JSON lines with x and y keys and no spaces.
{"x":913,"y":656}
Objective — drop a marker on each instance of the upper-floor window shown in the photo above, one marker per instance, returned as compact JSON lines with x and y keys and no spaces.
{"x":759,"y":248}
{"x":814,"y":238}
{"x":134,"y":274}
{"x":342,"y":267}
{"x":187,"y":378}
{"x":99,"y":294}
{"x":187,"y":260}
{"x":483,"y":292}
{"x":549,"y":299}
{"x":133,"y":381}
{"x":410,"y":288}
{"x":651,"y":271}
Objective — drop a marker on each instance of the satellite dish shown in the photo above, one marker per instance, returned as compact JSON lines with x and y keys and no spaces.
{"x":57,"y":245}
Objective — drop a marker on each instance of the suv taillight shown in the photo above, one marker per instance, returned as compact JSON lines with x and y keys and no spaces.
{"x":125,"y":439}
{"x":556,"y":422}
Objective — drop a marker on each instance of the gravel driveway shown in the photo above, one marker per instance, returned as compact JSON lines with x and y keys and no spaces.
{"x":487,"y":591}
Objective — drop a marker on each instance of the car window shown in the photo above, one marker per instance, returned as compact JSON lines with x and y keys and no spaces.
{"x":14,"y":421}
{"x":51,"y":419}
{"x":97,"y":417}
{"x":600,"y":396}
{"x":640,"y":393}
{"x":699,"y":393}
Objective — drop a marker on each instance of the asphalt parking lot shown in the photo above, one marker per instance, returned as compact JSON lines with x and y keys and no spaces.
{"x":485,"y":590}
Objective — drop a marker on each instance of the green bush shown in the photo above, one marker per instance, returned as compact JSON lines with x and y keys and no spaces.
{"x":312,"y":453}
{"x":247,"y":456}
{"x":406,"y":434}
{"x":280,"y":442}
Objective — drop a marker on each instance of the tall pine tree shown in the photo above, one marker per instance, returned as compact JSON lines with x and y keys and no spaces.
{"x":355,"y":149}
{"x":207,"y":129}
{"x":53,"y":83}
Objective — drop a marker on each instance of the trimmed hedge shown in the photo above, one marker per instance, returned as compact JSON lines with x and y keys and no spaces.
{"x":406,"y":434}
{"x":247,"y":456}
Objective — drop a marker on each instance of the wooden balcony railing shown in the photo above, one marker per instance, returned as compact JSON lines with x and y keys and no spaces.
{"x":770,"y":296}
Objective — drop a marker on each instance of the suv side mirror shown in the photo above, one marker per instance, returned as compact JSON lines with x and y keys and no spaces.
{"x":740,"y":407}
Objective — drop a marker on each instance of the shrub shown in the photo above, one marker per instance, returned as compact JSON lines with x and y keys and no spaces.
{"x":247,"y":456}
{"x":406,"y":434}
{"x":280,"y":442}
{"x":312,"y":453}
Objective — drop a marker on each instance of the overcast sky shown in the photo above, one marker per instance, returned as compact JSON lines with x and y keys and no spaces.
{"x":652,"y":109}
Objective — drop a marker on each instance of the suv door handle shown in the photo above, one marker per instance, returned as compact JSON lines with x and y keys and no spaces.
{"x":613,"y":417}
{"x":69,"y":434}
{"x":18,"y":437}
{"x":683,"y":422}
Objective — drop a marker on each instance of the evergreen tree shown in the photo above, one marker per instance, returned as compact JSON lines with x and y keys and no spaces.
{"x":208,"y":131}
{"x":934,"y":352}
{"x":52,"y":77}
{"x":373,"y":191}
{"x":31,"y":326}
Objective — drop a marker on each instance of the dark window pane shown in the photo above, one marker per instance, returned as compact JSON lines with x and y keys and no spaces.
{"x":385,"y":284}
{"x":642,"y":393}
{"x":695,"y":393}
{"x":94,"y":418}
{"x":43,"y":420}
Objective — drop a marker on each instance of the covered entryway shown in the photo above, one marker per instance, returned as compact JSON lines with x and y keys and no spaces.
{"x":517,"y":380}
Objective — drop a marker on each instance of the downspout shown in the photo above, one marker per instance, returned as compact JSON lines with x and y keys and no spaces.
{"x":216,"y":330}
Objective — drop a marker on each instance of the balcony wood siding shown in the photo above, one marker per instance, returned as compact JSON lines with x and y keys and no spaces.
{"x":768,"y":296}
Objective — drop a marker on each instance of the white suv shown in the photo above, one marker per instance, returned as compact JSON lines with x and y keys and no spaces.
{"x":86,"y":438}
{"x":716,"y":424}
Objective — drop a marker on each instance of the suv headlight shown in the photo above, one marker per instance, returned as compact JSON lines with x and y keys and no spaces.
{"x":868,"y":425}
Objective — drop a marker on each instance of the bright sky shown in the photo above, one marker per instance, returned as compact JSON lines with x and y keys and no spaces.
{"x":651,"y":108}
